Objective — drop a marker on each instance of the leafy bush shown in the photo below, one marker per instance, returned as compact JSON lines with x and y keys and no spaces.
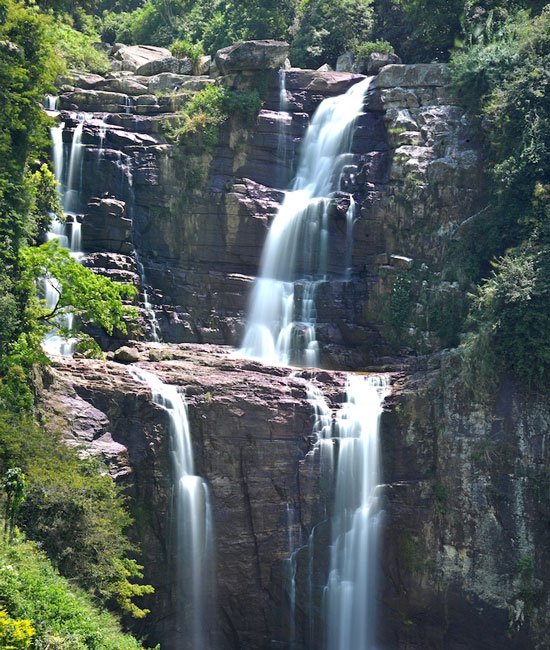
{"x":364,"y":50}
{"x":82,"y":292}
{"x":15,"y":635}
{"x":203,"y":114}
{"x":76,"y":50}
{"x":183,"y":48}
{"x":39,"y":604}
{"x":503,"y":76}
{"x":73,"y":508}
{"x":511,"y":314}
{"x":328,"y":28}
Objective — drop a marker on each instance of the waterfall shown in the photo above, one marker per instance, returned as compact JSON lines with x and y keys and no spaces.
{"x":346,"y":452}
{"x":54,"y":343}
{"x":50,"y":102}
{"x":284,"y":121}
{"x":281,"y":326}
{"x":350,"y":221}
{"x":350,"y":594}
{"x":194,"y":533}
{"x":71,"y":198}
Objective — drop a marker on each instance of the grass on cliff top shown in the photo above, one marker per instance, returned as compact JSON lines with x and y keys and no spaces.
{"x":61,"y":616}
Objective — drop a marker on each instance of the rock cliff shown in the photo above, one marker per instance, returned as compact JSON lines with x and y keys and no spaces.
{"x":465,"y":484}
{"x":197,"y":220}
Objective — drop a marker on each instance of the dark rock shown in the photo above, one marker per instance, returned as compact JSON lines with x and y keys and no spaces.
{"x":375,"y":62}
{"x":252,"y":55}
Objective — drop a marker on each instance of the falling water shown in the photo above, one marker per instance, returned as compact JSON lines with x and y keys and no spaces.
{"x":71,"y":198}
{"x":50,"y":102}
{"x":284,"y":121}
{"x":350,"y":221}
{"x":350,"y":594}
{"x":193,"y":522}
{"x":53,"y":342}
{"x":280,"y":330}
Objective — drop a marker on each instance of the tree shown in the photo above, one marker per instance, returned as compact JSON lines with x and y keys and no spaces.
{"x":14,"y":485}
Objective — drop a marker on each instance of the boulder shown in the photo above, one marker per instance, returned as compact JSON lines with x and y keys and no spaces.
{"x":134,"y":56}
{"x":126,"y":354}
{"x":93,"y":100}
{"x":325,"y":68}
{"x":166,"y":81}
{"x":105,"y":226}
{"x":126,"y":85}
{"x":166,"y":64}
{"x":375,"y":62}
{"x":345,"y":62}
{"x":411,"y":76}
{"x":197,"y":83}
{"x":252,"y":55}
{"x":204,"y":64}
{"x":79,"y":79}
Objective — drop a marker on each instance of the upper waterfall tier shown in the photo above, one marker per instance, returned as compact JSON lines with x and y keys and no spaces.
{"x":281,"y":326}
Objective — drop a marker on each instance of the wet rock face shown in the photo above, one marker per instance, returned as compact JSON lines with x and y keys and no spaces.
{"x":468,"y":502}
{"x":199,"y":219}
{"x":251,"y":428}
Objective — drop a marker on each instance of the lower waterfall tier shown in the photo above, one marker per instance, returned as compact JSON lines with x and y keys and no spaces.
{"x":465,"y":496}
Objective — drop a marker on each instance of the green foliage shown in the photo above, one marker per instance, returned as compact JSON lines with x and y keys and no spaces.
{"x":76,"y":50}
{"x":215,"y":23}
{"x":203,"y":114}
{"x":44,"y":606}
{"x":74,"y":509}
{"x":327,"y":28}
{"x":399,"y":305}
{"x":14,"y":485}
{"x":92,"y":297}
{"x":183,"y":49}
{"x":503,"y":76}
{"x":27,"y":69}
{"x":364,"y":50}
{"x":511,"y":313}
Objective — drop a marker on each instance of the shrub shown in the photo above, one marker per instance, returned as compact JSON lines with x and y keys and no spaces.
{"x":328,"y":28}
{"x":42,"y":606}
{"x":364,"y":50}
{"x":15,"y":635}
{"x":74,"y":509}
{"x":203,"y":114}
{"x":76,"y":50}
{"x":183,"y":48}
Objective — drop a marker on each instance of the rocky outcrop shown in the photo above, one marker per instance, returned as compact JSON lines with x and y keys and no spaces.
{"x":252,"y":55}
{"x":251,"y":427}
{"x":466,"y":496}
{"x":466,"y":556}
{"x":199,"y":218}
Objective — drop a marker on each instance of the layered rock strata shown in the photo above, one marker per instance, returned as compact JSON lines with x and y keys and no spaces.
{"x":198,"y":219}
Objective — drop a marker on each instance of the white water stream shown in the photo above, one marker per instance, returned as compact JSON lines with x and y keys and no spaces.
{"x":350,"y":594}
{"x":281,"y":322}
{"x":53,"y":342}
{"x":194,"y":535}
{"x":346,"y":453}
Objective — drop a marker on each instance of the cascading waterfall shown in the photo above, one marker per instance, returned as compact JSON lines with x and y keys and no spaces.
{"x":350,"y":594}
{"x":350,"y":222}
{"x":285,"y":119}
{"x":346,"y":451}
{"x":71,"y":197}
{"x":281,"y":323}
{"x":194,"y":532}
{"x":53,"y":342}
